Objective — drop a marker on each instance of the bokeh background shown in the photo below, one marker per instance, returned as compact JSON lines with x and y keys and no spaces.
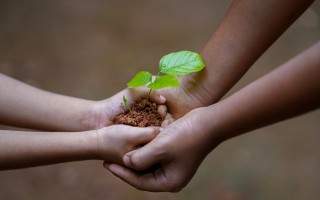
{"x":90,"y":49}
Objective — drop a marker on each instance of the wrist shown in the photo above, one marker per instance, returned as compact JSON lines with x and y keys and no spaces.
{"x":93,"y":116}
{"x":209,"y":127}
{"x":73,"y":114}
{"x":199,"y":87}
{"x":104,"y":147}
{"x":219,"y":123}
{"x":193,"y":86}
{"x":93,"y":145}
{"x":79,"y":145}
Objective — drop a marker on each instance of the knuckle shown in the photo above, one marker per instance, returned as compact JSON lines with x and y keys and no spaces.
{"x":149,"y":135}
{"x":162,"y":148}
{"x":165,"y":123}
{"x":168,"y":116}
{"x":135,"y":160}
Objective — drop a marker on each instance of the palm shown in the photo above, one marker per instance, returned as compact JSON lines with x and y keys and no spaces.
{"x":104,"y":112}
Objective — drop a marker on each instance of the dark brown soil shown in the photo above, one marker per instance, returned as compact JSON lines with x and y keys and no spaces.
{"x":143,"y":113}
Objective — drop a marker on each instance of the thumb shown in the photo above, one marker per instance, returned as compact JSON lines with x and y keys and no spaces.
{"x":143,"y":158}
{"x":157,"y":98}
{"x":143,"y":135}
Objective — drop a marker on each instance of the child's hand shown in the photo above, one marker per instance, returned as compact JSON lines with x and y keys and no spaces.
{"x":103,"y":112}
{"x":115,"y":141}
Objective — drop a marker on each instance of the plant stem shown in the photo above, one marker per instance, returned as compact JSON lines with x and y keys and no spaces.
{"x":150,"y":88}
{"x":129,"y":108}
{"x":126,"y":104}
{"x":149,"y":94}
{"x":157,"y":76}
{"x":125,"y":101}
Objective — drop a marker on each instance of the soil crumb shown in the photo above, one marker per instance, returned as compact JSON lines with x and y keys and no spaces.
{"x":143,"y":113}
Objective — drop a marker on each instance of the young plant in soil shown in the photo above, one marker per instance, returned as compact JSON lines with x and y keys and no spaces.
{"x":144,"y":113}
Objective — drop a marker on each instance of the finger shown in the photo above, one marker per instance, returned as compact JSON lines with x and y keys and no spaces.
{"x":168,"y":116}
{"x":157,"y":98}
{"x":143,"y":158}
{"x":165,"y":123}
{"x":162,"y":109}
{"x":167,"y":120}
{"x":171,"y":120}
{"x":136,"y":94}
{"x":144,"y":135}
{"x":153,"y":182}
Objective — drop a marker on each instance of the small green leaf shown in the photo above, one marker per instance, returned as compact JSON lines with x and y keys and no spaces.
{"x":163,"y":82}
{"x":181,"y":63}
{"x":125,"y":101}
{"x":140,"y":79}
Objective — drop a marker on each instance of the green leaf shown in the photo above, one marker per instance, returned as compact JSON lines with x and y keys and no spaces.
{"x":125,"y":101}
{"x":140,"y":79}
{"x":181,"y":63}
{"x":163,"y":82}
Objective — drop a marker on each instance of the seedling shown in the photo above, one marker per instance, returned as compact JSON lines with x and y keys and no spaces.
{"x":171,"y":65}
{"x":125,"y":101}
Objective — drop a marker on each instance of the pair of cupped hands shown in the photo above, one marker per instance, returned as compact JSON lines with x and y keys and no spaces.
{"x":154,"y":158}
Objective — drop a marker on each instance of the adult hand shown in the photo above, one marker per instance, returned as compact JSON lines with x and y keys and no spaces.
{"x":175,"y":153}
{"x":190,"y":95}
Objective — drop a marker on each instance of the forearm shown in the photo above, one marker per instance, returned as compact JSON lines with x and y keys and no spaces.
{"x":288,"y":91}
{"x":26,"y":149}
{"x":249,"y":28}
{"x":25,"y":106}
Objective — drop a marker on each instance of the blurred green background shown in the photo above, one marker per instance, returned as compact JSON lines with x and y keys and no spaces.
{"x":90,"y":49}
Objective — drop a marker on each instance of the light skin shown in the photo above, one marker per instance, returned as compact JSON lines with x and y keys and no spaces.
{"x":290,"y":90}
{"x":20,"y":149}
{"x":25,"y":106}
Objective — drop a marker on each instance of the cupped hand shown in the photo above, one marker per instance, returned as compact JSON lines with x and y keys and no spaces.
{"x":113,"y":142}
{"x":103,"y":112}
{"x":183,"y":99}
{"x":174,"y":155}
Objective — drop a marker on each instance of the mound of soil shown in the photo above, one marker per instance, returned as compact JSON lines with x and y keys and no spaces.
{"x":143,"y":113}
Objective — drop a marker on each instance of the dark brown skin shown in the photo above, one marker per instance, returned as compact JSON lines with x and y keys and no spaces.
{"x":249,"y":28}
{"x":290,"y":90}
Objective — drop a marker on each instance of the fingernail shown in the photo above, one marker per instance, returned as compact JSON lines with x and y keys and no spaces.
{"x":162,"y":98}
{"x":161,"y":129}
{"x":126,"y":161}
